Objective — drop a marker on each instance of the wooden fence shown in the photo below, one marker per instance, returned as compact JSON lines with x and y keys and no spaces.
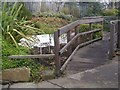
{"x":73,"y":40}
{"x":114,"y":38}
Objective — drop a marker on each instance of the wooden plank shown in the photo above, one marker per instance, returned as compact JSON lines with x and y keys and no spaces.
{"x":68,"y":44}
{"x":57,"y":56}
{"x":76,"y":23}
{"x":77,"y":28}
{"x":111,"y":47}
{"x":92,"y":31}
{"x":90,"y":25}
{"x":102,"y":23}
{"x":69,"y":49}
{"x":92,"y":17}
{"x":68,"y":27}
{"x":68,"y":60}
{"x":91,"y":41}
{"x":31,"y":56}
{"x":87,"y":21}
{"x":118,"y":30}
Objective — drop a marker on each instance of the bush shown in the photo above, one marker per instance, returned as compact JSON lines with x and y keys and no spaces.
{"x":24,"y":12}
{"x":85,"y":28}
{"x":75,"y":12}
{"x":10,"y":49}
{"x":110,"y":12}
{"x":52,"y":14}
{"x":13,"y":28}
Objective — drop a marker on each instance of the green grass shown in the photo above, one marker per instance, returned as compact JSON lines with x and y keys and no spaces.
{"x":10,"y":49}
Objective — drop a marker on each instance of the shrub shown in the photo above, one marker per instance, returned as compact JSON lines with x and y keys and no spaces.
{"x":24,"y":12}
{"x":52,"y":14}
{"x":12,"y":28}
{"x":110,"y":12}
{"x":10,"y":49}
{"x":85,"y":28}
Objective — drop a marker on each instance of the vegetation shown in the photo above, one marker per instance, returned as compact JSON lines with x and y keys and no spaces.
{"x":17,"y":22}
{"x":12,"y":30}
{"x":85,"y":27}
{"x":94,"y":9}
{"x":110,"y":12}
{"x":25,"y":13}
{"x":15,"y":25}
{"x":70,"y":8}
{"x":53,"y":14}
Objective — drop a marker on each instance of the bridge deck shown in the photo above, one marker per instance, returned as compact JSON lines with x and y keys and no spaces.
{"x":89,"y":57}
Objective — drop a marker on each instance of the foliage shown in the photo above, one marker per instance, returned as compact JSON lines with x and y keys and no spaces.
{"x":94,"y":9}
{"x":25,"y":13}
{"x":57,"y":15}
{"x":44,"y":7}
{"x":75,"y":12}
{"x":110,"y":12}
{"x":70,"y":8}
{"x":9,"y":49}
{"x":48,"y":25}
{"x":119,"y":12}
{"x":9,"y":16}
{"x":85,"y":28}
{"x":12,"y":28}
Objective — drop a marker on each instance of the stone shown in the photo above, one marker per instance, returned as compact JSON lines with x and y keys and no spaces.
{"x":16,"y":74}
{"x":0,"y":75}
{"x":47,"y":74}
{"x":25,"y":85}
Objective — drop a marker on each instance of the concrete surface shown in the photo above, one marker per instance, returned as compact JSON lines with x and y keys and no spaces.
{"x":89,"y":68}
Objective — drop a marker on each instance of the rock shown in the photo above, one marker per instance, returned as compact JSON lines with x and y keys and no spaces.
{"x":16,"y":74}
{"x":0,"y":75}
{"x":47,"y":74}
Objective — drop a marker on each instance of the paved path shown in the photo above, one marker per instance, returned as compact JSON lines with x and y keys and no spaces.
{"x":88,"y":57}
{"x":105,"y":76}
{"x":89,"y":68}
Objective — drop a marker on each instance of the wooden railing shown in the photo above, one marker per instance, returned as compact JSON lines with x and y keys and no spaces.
{"x":114,"y":38}
{"x":73,"y":40}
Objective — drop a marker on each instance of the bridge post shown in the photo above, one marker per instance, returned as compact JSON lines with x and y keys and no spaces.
{"x":118,"y":28}
{"x":102,"y":23}
{"x":111,"y":47}
{"x":76,"y":32}
{"x":56,"y":51}
{"x":90,"y":28}
{"x":69,"y":49}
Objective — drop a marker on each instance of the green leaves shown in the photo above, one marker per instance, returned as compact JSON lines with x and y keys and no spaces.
{"x":110,"y":12}
{"x":10,"y":25}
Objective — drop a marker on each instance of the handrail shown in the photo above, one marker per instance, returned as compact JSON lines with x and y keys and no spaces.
{"x":31,"y":56}
{"x":76,"y":23}
{"x":74,"y":26}
{"x":74,"y":38}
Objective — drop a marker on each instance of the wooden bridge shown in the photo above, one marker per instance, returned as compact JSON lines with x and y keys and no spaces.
{"x":75,"y":42}
{"x":95,"y":54}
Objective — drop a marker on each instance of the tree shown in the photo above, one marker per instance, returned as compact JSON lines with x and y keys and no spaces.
{"x":71,"y":8}
{"x":95,"y":8}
